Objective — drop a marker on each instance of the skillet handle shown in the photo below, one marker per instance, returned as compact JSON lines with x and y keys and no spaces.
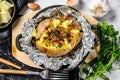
{"x":18,"y":42}
{"x":94,"y":27}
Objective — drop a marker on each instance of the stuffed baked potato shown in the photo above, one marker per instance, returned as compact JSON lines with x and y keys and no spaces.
{"x":57,"y":36}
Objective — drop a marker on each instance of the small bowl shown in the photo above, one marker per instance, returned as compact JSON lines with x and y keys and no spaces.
{"x":12,"y":16}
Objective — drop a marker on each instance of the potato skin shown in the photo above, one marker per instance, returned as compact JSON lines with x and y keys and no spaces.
{"x":41,"y":26}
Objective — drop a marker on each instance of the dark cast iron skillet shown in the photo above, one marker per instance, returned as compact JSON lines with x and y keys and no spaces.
{"x":94,"y":27}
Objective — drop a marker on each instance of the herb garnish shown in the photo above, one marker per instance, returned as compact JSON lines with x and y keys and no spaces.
{"x":109,"y":52}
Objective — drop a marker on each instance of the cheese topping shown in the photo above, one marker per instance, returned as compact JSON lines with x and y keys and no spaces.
{"x":60,"y":34}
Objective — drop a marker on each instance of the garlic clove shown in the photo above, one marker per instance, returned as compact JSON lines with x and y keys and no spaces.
{"x":97,"y":8}
{"x":33,"y":6}
{"x":72,"y":2}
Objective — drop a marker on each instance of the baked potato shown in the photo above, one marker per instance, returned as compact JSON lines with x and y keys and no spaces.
{"x":57,"y":36}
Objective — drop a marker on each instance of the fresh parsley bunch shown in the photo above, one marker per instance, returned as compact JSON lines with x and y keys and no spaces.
{"x":109,"y":52}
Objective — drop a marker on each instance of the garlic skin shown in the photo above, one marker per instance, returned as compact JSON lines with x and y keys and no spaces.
{"x":97,"y":8}
{"x":72,"y":3}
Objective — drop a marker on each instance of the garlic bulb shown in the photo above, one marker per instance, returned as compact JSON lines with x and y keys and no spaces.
{"x":72,"y":3}
{"x":97,"y":8}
